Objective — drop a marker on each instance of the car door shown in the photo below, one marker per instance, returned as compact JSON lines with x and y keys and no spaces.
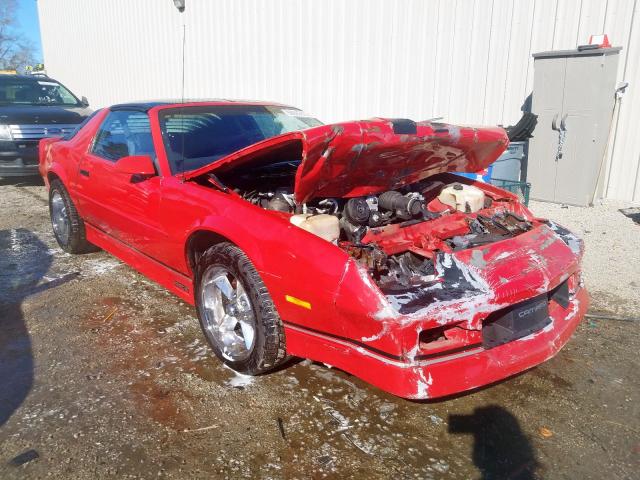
{"x":124,"y":206}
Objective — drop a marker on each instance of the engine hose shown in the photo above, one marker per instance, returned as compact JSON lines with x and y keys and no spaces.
{"x":396,"y":202}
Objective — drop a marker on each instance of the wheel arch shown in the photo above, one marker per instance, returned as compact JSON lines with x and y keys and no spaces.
{"x":56,"y":174}
{"x":203,"y":238}
{"x":51,"y":176}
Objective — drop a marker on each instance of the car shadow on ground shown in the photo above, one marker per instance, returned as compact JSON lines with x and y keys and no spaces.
{"x":24,"y":262}
{"x":501,"y":450}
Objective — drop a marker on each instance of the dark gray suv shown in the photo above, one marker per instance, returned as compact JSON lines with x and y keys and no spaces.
{"x":33,"y":107}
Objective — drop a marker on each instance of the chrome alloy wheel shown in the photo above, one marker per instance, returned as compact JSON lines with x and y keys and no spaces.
{"x":228,"y":321}
{"x":60,"y":218}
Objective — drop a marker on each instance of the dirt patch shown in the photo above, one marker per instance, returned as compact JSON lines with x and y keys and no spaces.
{"x":111,"y":376}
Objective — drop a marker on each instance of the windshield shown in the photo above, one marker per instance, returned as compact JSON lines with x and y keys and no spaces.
{"x":196,"y":136}
{"x":34,"y":91}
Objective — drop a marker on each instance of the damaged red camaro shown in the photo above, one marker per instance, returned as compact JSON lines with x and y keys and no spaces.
{"x":350,"y":244}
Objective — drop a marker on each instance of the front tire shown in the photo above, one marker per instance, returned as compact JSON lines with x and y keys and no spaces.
{"x":68,"y":227}
{"x":236,"y":312}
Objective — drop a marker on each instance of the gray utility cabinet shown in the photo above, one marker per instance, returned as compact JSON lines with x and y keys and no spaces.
{"x":573,"y":96}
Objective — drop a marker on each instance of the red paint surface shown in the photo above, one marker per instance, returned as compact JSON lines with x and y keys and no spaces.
{"x":361,"y":158}
{"x":351,"y":325}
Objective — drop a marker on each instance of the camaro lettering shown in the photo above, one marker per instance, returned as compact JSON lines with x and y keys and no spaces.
{"x":531,"y":310}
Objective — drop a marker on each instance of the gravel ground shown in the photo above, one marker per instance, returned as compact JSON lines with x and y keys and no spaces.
{"x":105,"y":374}
{"x":612,"y":252}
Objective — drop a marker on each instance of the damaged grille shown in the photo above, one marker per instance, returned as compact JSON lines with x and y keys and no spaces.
{"x":516,"y":321}
{"x":523,"y":318}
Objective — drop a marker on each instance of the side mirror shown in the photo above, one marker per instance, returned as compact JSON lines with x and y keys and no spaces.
{"x":84,"y":102}
{"x":138,"y":166}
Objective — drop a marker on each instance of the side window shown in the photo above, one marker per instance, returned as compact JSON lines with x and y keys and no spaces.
{"x":124,"y":133}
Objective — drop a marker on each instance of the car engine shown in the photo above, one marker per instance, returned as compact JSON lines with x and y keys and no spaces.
{"x":354,"y":215}
{"x":396,"y":234}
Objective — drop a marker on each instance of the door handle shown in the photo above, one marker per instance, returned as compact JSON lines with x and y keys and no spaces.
{"x":554,"y":125}
{"x":84,"y":173}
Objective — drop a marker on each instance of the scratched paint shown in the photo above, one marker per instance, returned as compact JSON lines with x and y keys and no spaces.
{"x":415,"y":335}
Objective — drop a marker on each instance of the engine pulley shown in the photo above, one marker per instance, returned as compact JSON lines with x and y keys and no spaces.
{"x":357,"y":211}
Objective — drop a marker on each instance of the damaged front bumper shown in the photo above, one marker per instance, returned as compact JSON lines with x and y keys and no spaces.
{"x":453,"y":372}
{"x":498,"y":310}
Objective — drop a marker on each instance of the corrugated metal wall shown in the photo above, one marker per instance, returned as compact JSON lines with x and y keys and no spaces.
{"x":468,"y":61}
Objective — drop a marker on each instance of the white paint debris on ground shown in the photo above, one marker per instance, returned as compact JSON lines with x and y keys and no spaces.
{"x":612,"y":244}
{"x":239,"y":380}
{"x":100,"y":266}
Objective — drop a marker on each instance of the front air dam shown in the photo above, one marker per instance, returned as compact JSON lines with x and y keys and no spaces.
{"x":447,"y":374}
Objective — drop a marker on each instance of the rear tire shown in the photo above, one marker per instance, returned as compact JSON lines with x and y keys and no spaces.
{"x":236,"y":312}
{"x":68,"y":227}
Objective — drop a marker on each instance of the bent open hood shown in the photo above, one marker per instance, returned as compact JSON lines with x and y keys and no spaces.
{"x":367,"y":157}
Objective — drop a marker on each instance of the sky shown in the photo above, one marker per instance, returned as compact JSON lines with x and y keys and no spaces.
{"x":28,"y":24}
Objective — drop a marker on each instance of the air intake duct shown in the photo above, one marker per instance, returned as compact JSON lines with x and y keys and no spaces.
{"x":403,"y":205}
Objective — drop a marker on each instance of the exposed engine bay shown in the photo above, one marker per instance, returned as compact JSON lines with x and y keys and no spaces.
{"x":353,"y":217}
{"x":395,"y":234}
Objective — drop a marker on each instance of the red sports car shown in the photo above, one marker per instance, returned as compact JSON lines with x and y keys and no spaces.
{"x":350,"y":244}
